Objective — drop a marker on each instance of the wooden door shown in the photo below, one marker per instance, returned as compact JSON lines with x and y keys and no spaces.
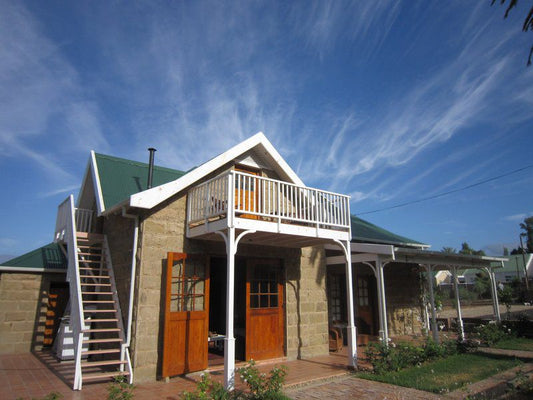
{"x":265,"y":334}
{"x":186,"y":314}
{"x":58,"y":296}
{"x":365,"y":304}
{"x":246,"y":192}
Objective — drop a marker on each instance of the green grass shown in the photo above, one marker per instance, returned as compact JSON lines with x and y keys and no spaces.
{"x":515,"y":344}
{"x":447,"y":374}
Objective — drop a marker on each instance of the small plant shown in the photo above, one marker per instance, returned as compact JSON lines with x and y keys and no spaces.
{"x":522,"y":384}
{"x":120,"y":389}
{"x":260,"y":385}
{"x":207,"y":388}
{"x":49,"y":396}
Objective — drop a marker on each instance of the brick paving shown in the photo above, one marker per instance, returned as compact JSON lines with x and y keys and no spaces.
{"x":348,"y":387}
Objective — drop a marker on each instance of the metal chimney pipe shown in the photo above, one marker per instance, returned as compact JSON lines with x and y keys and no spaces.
{"x":151,"y":167}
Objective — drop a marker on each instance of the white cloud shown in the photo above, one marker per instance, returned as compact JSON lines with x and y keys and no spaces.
{"x":517,"y":217}
{"x":41,"y":95}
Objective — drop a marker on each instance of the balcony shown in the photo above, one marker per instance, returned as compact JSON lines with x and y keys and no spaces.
{"x":281,"y":213}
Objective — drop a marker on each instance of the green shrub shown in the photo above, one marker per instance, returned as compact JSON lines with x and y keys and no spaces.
{"x":120,"y":389}
{"x":260,"y":386}
{"x":492,"y":333}
{"x":398,"y":356}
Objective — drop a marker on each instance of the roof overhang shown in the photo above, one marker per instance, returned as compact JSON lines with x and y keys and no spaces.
{"x":26,"y":269}
{"x":154,"y":196}
{"x":368,"y":252}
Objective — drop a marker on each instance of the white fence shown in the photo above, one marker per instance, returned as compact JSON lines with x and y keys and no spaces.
{"x":252,"y":196}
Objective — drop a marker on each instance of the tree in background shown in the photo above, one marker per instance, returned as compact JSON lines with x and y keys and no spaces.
{"x":449,"y":250}
{"x":528,"y":22}
{"x":527,"y":227}
{"x":466,"y":249}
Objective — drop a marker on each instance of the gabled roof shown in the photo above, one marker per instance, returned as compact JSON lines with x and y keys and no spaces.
{"x":119,"y":178}
{"x":365,"y":232}
{"x":258,"y":142}
{"x":48,"y":258}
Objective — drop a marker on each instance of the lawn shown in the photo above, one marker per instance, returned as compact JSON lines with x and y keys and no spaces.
{"x":447,"y":374}
{"x":515,"y":344}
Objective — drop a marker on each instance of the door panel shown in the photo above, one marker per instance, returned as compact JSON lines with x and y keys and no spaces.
{"x":265,"y":334}
{"x":186,"y":314}
{"x":365,"y":304}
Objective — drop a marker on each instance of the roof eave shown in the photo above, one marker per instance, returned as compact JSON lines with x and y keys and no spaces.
{"x":150,"y":198}
{"x":28,"y":269}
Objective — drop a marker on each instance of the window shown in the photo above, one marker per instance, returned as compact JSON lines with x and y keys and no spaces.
{"x":362,"y":292}
{"x":337,"y":297}
{"x":187,"y":290}
{"x":264,"y":288}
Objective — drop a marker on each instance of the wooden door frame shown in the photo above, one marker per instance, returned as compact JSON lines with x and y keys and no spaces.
{"x":272,"y":263}
{"x":187,"y":316}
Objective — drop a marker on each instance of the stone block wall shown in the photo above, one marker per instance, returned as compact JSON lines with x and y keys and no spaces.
{"x":23,"y":306}
{"x":404,"y":307}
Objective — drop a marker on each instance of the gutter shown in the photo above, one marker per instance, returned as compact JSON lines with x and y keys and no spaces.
{"x":133,"y":272}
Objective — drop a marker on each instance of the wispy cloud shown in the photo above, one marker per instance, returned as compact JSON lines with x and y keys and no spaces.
{"x":517,"y":217}
{"x":68,"y":189}
{"x":41,"y":94}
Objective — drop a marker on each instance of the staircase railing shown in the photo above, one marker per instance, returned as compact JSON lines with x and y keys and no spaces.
{"x":66,"y":232}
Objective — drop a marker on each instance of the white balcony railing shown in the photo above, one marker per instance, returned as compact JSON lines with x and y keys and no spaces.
{"x":239,"y":194}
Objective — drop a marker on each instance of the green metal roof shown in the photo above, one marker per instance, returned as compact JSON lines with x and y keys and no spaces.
{"x":46,"y":257}
{"x":364,"y":231}
{"x":514,"y":260}
{"x":120,"y":178}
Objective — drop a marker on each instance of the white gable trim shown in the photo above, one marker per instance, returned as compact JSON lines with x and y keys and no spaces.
{"x":152,"y":197}
{"x":97,"y":187}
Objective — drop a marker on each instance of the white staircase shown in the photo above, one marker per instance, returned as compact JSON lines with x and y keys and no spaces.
{"x":100,"y":351}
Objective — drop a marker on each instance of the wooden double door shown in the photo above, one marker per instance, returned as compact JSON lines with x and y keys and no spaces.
{"x":186,"y":324}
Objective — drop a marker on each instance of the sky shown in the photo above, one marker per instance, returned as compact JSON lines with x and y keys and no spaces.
{"x":389,"y":102}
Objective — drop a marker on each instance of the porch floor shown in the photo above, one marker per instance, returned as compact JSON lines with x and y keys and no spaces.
{"x":30,"y":375}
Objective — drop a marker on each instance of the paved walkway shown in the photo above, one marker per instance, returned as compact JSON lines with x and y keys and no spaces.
{"x":486,"y":311}
{"x":348,"y":387}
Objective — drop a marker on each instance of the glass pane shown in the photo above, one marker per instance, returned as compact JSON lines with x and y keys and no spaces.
{"x":274,"y":300}
{"x":254,"y":301}
{"x":263,"y":302}
{"x":174,"y":303}
{"x":254,"y":287}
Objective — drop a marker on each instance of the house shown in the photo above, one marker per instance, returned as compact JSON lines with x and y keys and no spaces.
{"x":512,"y":269}
{"x":166,"y":269}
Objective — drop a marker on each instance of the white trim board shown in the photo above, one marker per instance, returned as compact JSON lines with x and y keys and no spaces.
{"x":152,"y":197}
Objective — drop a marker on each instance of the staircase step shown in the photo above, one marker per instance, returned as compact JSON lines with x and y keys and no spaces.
{"x":100,"y":330}
{"x":96,"y":246}
{"x":95,"y":276}
{"x":86,"y":364}
{"x":98,"y":301}
{"x":106,"y":351}
{"x":100,"y":320}
{"x":90,"y":261}
{"x":111,"y":340}
{"x":100,"y":376}
{"x":80,"y":253}
{"x":90,"y":236}
{"x":97,"y":293}
{"x":100,"y":311}
{"x":94,"y":268}
{"x":95,"y":284}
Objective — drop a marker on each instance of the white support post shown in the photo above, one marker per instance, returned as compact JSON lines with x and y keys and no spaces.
{"x":432,"y":303}
{"x":494,"y":292}
{"x":458,"y":301}
{"x":384,"y":332}
{"x":229,"y":344}
{"x":351,"y":330}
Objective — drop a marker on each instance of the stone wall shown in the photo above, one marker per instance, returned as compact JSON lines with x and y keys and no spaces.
{"x":163,"y":230}
{"x":23,"y":306}
{"x":119,"y":231}
{"x":404,"y":307}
